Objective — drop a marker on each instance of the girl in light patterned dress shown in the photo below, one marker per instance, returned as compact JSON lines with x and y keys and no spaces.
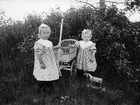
{"x":86,"y":61}
{"x":46,"y":70}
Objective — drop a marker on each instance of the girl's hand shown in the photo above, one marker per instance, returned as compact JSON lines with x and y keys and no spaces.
{"x":43,"y":66}
{"x":56,"y":47}
{"x":71,"y":45}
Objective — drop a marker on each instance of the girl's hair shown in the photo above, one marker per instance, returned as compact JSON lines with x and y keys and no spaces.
{"x":42,"y":26}
{"x":87,"y":31}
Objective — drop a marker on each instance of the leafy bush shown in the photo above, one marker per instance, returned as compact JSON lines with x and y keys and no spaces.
{"x":117,"y":41}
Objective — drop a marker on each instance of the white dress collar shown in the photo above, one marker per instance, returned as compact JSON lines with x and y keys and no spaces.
{"x":84,"y":44}
{"x":46,"y":43}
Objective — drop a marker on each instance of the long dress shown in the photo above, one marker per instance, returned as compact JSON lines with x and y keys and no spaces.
{"x":86,"y":56}
{"x":51,"y":72}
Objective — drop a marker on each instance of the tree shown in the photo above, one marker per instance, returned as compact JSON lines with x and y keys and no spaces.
{"x":117,"y":40}
{"x":133,"y":5}
{"x":4,"y":19}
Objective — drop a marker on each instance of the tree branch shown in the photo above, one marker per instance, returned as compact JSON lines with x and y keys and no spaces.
{"x":114,"y":2}
{"x":87,"y":4}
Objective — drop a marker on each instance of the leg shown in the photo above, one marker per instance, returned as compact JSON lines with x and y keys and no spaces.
{"x":90,"y":72}
{"x":79,"y":73}
{"x":40,"y":87}
{"x":49,"y":88}
{"x":80,"y":76}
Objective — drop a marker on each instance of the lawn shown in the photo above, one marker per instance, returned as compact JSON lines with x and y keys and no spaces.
{"x":71,"y":91}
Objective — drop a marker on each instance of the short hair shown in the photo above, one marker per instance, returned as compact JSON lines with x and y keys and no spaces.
{"x":86,"y":31}
{"x":42,"y":26}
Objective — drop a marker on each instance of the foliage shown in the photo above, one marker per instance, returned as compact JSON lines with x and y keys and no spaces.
{"x":54,"y":20}
{"x":117,"y":41}
{"x":112,"y":54}
{"x":78,"y":19}
{"x":4,"y":19}
{"x":133,"y":4}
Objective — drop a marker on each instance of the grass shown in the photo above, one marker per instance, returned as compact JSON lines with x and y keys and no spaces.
{"x":71,"y":91}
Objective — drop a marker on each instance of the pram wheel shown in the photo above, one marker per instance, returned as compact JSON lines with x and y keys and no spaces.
{"x":73,"y":68}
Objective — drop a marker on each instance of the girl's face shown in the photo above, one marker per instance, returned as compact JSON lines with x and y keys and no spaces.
{"x":86,"y":36}
{"x":45,"y":33}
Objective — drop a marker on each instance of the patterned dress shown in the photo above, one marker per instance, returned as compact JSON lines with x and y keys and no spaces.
{"x":51,"y":72}
{"x":86,"y":56}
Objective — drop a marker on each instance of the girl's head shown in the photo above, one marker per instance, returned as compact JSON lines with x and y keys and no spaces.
{"x":86,"y":34}
{"x":44,"y":31}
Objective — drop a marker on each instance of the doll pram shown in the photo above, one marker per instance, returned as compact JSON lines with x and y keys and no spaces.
{"x":67,"y":58}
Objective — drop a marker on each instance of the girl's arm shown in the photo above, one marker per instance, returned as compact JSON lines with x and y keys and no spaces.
{"x":92,"y":51}
{"x":92,"y":48}
{"x":39,"y":56}
{"x":76,"y":44}
{"x":39,"y":51}
{"x":41,"y":61}
{"x":56,"y":47}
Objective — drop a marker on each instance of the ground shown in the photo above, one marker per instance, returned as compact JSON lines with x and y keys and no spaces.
{"x":70,"y":91}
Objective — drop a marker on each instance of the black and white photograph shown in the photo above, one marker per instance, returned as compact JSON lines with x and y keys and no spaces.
{"x":69,"y":52}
